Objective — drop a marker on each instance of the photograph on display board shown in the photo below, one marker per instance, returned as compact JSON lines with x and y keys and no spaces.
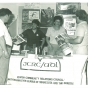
{"x":25,"y":15}
{"x":28,"y":15}
{"x":26,"y":26}
{"x":47,"y":17}
{"x":33,"y":15}
{"x":67,"y":8}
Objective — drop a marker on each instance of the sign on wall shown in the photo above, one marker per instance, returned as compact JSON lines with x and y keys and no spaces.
{"x":32,"y":5}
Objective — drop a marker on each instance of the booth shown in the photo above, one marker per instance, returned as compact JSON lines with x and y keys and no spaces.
{"x":47,"y":70}
{"x":44,"y":70}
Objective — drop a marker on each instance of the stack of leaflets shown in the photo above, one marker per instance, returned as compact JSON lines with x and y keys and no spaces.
{"x":15,"y":50}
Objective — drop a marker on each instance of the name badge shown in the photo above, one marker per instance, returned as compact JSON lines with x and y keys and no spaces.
{"x":37,"y":34}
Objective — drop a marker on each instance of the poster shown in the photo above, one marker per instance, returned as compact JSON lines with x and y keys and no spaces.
{"x":70,"y":24}
{"x":47,"y":16}
{"x":29,"y":14}
{"x":33,"y":15}
{"x":67,"y":8}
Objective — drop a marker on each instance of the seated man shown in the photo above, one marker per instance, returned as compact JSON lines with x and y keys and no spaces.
{"x":35,"y":37}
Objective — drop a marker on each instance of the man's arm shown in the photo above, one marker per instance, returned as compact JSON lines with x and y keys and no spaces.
{"x":21,"y":35}
{"x":43,"y":41}
{"x":3,"y":45}
{"x":79,"y":33}
{"x":47,"y":40}
{"x":24,"y":34}
{"x":77,"y":40}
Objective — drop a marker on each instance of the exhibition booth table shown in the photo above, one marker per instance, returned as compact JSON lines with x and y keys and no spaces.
{"x":47,"y":70}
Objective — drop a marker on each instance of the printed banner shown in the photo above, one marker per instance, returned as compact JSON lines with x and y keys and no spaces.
{"x":47,"y":70}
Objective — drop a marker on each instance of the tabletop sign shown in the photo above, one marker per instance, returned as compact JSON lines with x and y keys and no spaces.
{"x":45,"y":64}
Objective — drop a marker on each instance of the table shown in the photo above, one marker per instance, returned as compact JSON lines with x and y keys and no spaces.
{"x":71,"y":72}
{"x":87,"y":72}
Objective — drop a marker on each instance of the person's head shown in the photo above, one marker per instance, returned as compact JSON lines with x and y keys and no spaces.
{"x":58,"y":20}
{"x":35,"y":24}
{"x":5,"y":14}
{"x":81,"y":15}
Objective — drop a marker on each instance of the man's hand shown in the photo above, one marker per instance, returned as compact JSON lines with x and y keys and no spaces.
{"x":14,"y":40}
{"x":50,"y":46}
{"x":67,"y":40}
{"x":41,"y":46}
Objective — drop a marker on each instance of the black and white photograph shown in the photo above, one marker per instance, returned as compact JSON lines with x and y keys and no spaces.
{"x":44,"y":44}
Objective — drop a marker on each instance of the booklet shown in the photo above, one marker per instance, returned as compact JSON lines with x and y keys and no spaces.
{"x":19,"y":40}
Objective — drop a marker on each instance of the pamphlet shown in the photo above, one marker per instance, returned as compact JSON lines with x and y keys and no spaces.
{"x":19,"y":40}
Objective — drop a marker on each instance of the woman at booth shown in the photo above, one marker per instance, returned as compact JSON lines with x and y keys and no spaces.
{"x":52,"y":32}
{"x":80,"y":42}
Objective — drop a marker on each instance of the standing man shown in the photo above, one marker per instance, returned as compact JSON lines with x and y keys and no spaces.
{"x":80,"y":42}
{"x":5,"y":44}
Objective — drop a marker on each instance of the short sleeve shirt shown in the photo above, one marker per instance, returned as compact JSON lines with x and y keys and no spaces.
{"x":82,"y":30}
{"x":52,"y":33}
{"x":33,"y":38}
{"x":4,"y":32}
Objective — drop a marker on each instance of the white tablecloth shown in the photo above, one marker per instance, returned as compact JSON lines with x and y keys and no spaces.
{"x":72,"y":73}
